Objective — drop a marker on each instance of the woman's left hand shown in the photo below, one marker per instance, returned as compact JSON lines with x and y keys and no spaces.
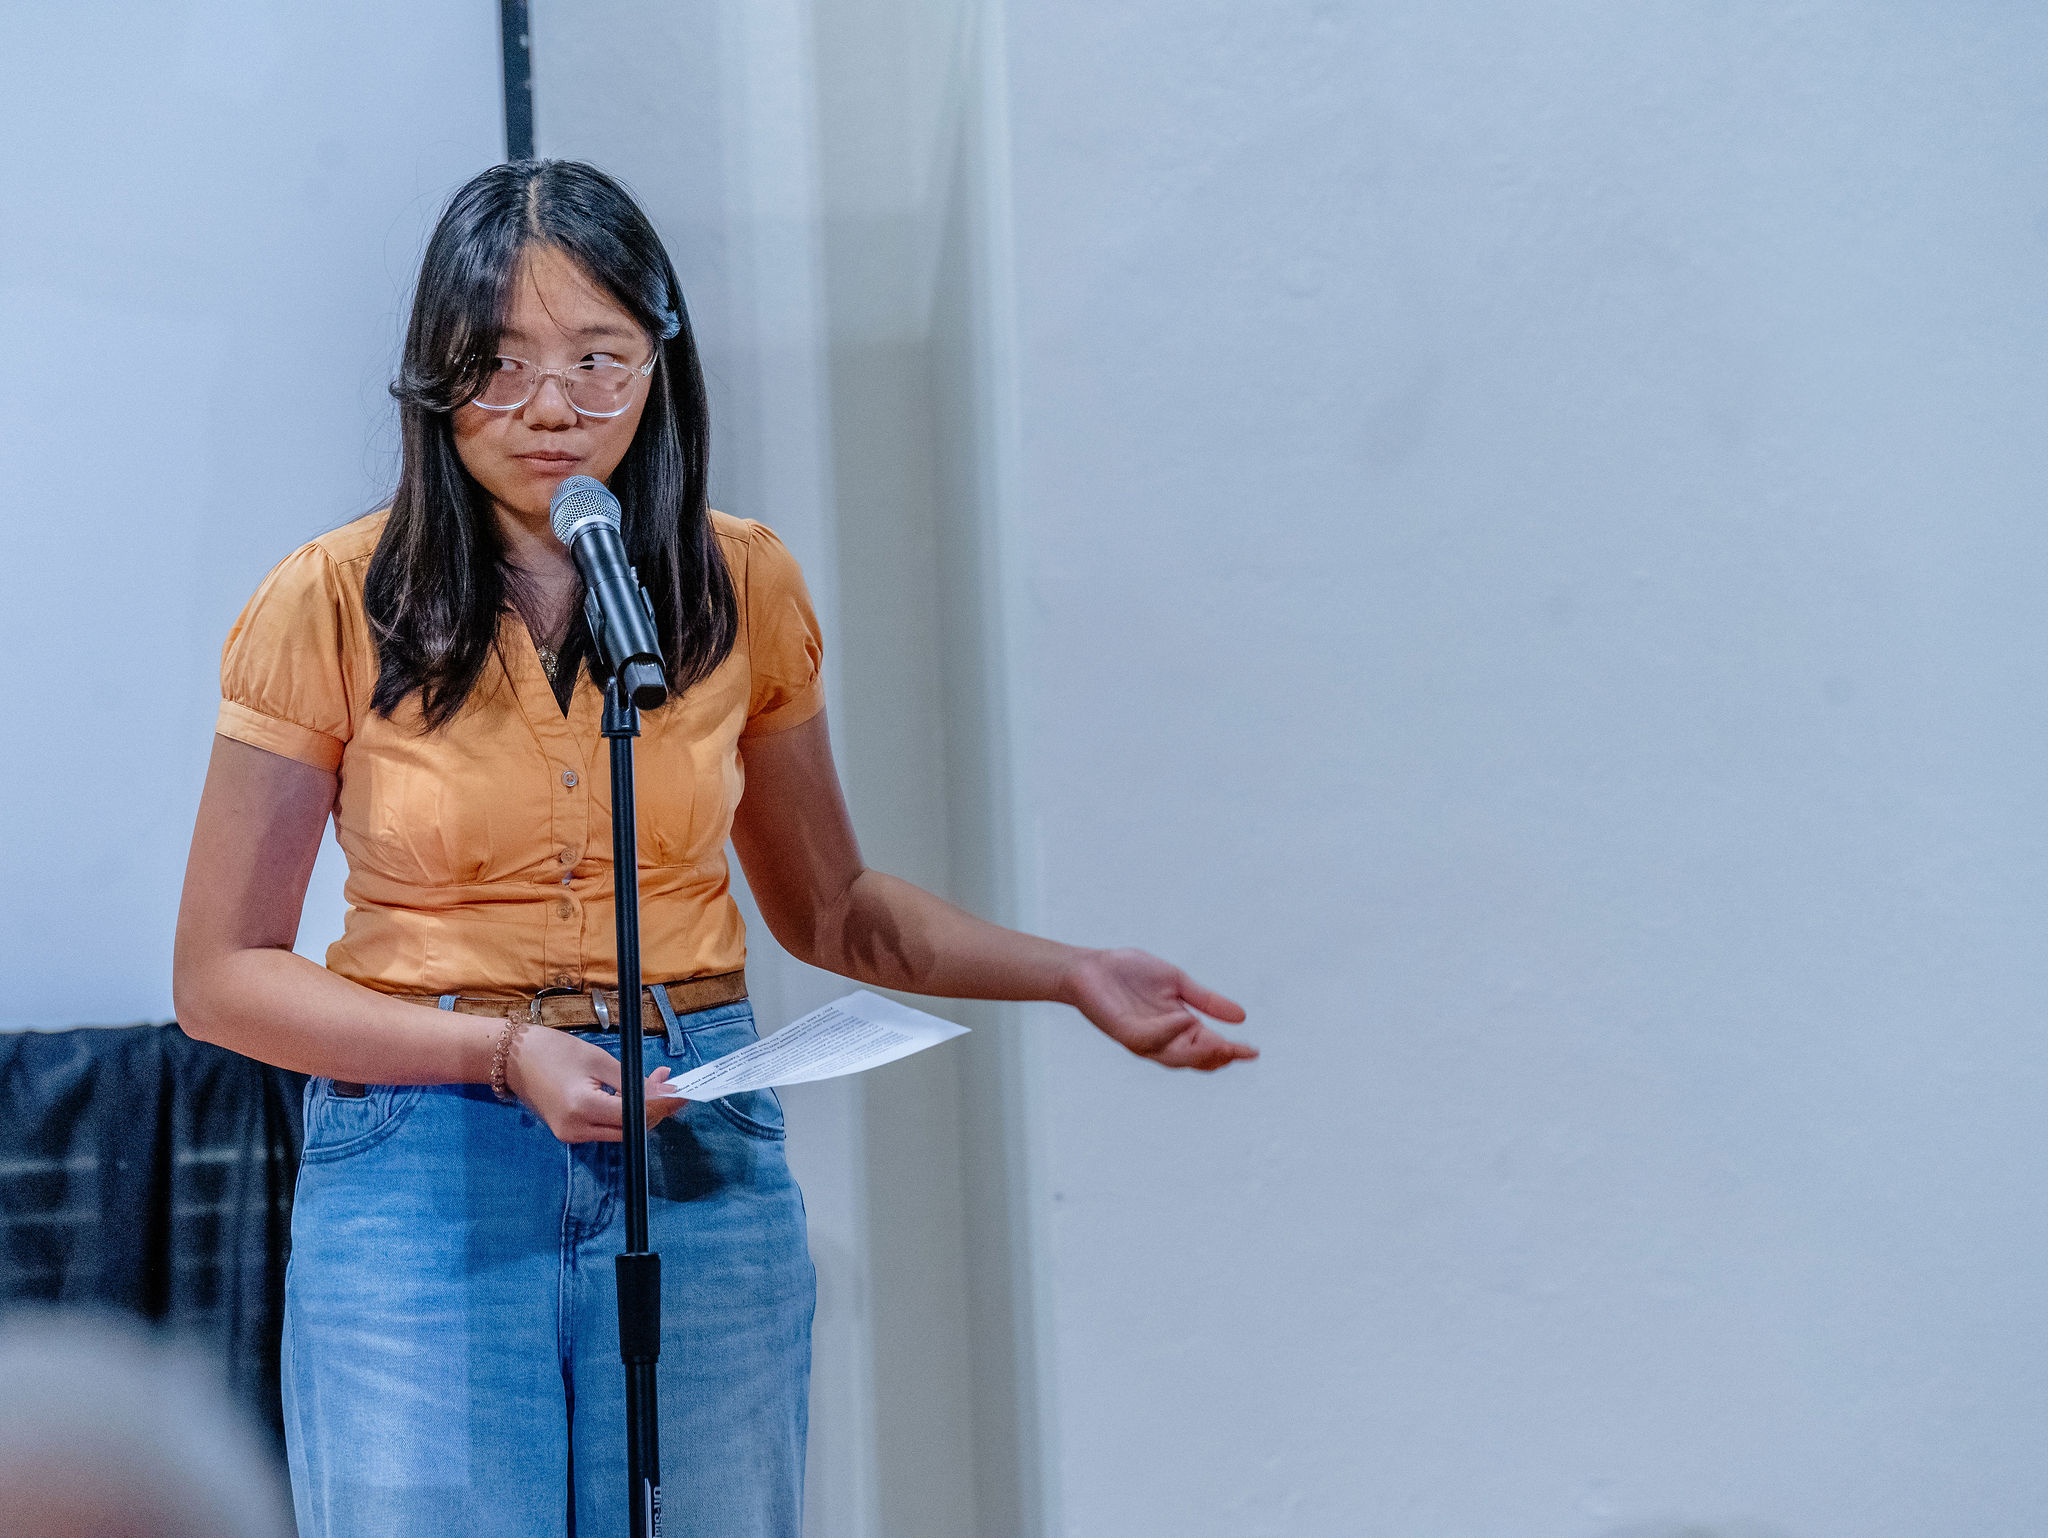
{"x":1149,"y":1005}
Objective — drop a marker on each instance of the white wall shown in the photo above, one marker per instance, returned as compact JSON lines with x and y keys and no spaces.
{"x":1531,"y":532}
{"x":212,"y":217}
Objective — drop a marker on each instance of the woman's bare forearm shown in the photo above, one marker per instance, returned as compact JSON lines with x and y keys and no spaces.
{"x":889,"y":933}
{"x":795,"y":840}
{"x":280,"y":1008}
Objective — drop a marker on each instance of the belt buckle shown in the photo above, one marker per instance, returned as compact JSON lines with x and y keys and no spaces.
{"x":533,"y":1004}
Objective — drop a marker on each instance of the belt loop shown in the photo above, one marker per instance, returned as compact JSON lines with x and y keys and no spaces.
{"x":604,"y":1012}
{"x":447,"y":1001}
{"x":677,"y":1047}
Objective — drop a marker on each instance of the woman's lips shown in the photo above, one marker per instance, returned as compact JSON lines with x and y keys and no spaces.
{"x":549,"y":464}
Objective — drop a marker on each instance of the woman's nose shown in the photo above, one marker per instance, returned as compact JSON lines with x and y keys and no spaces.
{"x":551,"y":402}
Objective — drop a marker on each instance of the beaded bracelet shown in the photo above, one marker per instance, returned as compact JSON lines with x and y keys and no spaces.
{"x":502,"y":1058}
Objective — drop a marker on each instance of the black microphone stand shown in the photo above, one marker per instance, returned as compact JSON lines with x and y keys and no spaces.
{"x":639,"y":1268}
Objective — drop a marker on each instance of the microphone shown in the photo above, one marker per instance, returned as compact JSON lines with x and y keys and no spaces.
{"x":585,"y":517}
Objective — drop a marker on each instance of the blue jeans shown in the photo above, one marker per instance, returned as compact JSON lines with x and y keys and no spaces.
{"x":451,"y":1339}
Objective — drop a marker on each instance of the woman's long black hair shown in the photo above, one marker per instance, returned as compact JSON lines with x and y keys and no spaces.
{"x":438,"y":580}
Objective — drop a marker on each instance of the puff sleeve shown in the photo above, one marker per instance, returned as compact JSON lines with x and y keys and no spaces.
{"x":784,"y":647}
{"x":283,"y":672}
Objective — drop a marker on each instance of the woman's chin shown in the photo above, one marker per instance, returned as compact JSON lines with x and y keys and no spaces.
{"x":526,"y":505}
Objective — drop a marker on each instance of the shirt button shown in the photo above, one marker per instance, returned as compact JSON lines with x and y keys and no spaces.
{"x":567,"y":857}
{"x":564,"y":907}
{"x":561,"y":979}
{"x":569,"y":778}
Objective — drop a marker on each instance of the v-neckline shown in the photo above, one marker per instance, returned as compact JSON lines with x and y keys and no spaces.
{"x":574,"y":732}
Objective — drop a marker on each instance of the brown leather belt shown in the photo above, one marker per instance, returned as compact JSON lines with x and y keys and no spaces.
{"x":565,"y":1009}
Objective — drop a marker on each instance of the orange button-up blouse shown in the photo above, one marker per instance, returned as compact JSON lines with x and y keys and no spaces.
{"x":480,"y":856}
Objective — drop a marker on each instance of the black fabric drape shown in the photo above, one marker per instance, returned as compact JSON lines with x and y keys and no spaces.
{"x":145,"y":1171}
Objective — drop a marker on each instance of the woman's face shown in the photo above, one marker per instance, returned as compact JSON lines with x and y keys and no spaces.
{"x":557,"y":317}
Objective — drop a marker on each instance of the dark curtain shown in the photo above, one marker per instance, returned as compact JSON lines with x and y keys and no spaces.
{"x":148,"y":1172}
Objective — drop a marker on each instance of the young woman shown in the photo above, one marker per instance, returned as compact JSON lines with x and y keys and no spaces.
{"x":424,"y":676}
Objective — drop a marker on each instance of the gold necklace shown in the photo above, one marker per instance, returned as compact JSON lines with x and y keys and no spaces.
{"x":550,"y":660}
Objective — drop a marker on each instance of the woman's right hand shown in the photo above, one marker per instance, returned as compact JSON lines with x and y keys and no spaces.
{"x":573,"y":1086}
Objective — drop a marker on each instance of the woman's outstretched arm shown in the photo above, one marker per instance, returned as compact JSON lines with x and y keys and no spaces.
{"x":796,"y":843}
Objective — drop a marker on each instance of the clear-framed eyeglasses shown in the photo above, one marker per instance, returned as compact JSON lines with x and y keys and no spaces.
{"x":595,"y":388}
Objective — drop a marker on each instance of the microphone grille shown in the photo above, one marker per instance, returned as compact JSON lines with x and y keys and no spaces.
{"x":576,"y":502}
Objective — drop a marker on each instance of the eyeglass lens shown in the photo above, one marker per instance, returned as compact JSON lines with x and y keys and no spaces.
{"x":593,"y":387}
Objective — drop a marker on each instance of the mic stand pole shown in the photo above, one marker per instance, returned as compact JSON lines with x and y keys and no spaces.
{"x":639,"y":1269}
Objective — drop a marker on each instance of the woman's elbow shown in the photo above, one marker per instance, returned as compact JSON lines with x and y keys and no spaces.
{"x":797,"y":933}
{"x":195,"y":990}
{"x":189,"y":1003}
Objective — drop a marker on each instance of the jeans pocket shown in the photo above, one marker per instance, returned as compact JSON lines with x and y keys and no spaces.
{"x":340,"y":1125}
{"x":756,"y":1112}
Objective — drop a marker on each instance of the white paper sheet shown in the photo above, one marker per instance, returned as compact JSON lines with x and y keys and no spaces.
{"x":849,"y":1035}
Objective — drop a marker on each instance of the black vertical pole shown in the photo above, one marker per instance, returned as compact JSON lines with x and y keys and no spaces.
{"x":639,"y":1270}
{"x":514,"y":25}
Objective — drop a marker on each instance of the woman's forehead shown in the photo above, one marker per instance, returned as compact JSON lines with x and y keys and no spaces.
{"x":552,"y":298}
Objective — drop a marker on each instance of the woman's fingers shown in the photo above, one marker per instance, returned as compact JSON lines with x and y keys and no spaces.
{"x":660,"y":1106}
{"x":1210,"y":1002}
{"x":605,"y":1068}
{"x":1200,"y":1047}
{"x":603,"y":1114}
{"x":600,"y":1108}
{"x":583,"y":1086}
